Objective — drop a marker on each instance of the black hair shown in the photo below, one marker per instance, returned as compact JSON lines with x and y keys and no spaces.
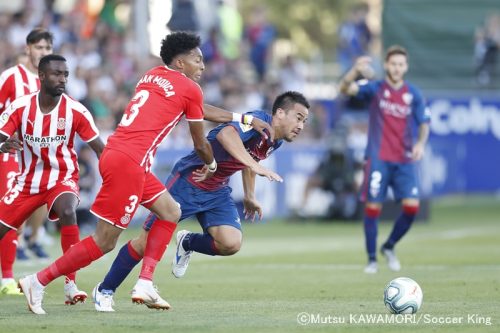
{"x":288,"y":99}
{"x":48,"y":58}
{"x":38,"y":34}
{"x":176,"y":43}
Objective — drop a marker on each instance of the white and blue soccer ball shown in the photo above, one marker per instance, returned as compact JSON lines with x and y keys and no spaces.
{"x":403,"y":295}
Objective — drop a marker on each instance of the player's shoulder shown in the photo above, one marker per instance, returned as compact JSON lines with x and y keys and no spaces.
{"x":414,"y":90}
{"x":177,"y":78}
{"x":192,"y":85}
{"x":158,"y":70}
{"x":9,"y":72}
{"x":262,"y":115}
{"x":377,"y":84}
{"x":75,"y":105}
{"x":22,"y":101}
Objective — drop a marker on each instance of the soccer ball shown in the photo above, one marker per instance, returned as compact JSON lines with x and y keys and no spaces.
{"x":403,"y":295}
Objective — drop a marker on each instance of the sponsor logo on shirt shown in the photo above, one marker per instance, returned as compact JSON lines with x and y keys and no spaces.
{"x":61,"y":124}
{"x":394,"y":109}
{"x":407,"y":98}
{"x":44,"y":141}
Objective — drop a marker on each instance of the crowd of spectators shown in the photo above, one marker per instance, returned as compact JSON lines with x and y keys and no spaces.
{"x":104,"y":65}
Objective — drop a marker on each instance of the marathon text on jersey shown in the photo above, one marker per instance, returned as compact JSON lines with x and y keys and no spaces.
{"x":44,"y":141}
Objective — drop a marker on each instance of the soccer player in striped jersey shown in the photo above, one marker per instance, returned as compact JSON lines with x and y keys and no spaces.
{"x":398,"y":132}
{"x":15,"y":82}
{"x":163,"y":96}
{"x":47,"y":122}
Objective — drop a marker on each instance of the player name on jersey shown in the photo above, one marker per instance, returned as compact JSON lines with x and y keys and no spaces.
{"x":160,"y":82}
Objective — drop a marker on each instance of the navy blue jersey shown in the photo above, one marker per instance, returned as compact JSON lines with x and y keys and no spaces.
{"x":258,"y":147}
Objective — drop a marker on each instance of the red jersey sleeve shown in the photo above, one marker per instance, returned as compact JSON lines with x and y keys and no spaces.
{"x":194,"y":103}
{"x":7,"y":91}
{"x":10,"y":120}
{"x":84,"y":125}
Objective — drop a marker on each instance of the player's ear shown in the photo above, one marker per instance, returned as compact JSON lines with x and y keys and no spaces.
{"x":280,"y":112}
{"x":179,"y":62}
{"x":41,"y":75}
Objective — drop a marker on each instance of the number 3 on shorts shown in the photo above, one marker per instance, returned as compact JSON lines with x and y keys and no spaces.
{"x":133,"y":202}
{"x":10,"y":196}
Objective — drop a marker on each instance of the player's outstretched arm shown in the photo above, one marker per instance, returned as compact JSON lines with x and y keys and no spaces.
{"x":231,"y":141}
{"x":219,"y":115}
{"x":204,"y":151}
{"x":251,"y":207}
{"x":97,"y":145}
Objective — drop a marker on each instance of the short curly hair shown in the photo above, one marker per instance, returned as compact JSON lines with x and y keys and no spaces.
{"x":176,"y":43}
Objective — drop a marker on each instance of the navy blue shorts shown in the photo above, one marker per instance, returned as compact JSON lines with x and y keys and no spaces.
{"x":211,"y":208}
{"x":379,"y":175}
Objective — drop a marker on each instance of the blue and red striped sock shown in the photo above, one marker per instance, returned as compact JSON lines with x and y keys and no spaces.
{"x":124,"y":263}
{"x":201,"y":243}
{"x":401,"y":227}
{"x":371,"y":229}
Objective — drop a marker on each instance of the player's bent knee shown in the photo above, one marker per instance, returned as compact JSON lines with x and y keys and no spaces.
{"x":176,"y":214}
{"x":172,"y":214}
{"x":230,"y":249}
{"x":373,"y":211}
{"x":68,"y":217}
{"x":106,"y":236}
{"x":139,"y":244}
{"x":106,"y":245}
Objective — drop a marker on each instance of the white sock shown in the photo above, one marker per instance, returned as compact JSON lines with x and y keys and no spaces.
{"x":7,"y":280}
{"x":145,"y":283}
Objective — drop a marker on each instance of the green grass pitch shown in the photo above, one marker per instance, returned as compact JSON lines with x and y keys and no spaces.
{"x":285,"y":269}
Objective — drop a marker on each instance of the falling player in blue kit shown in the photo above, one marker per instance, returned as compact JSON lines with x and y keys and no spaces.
{"x":396,"y":109}
{"x":236,"y":147}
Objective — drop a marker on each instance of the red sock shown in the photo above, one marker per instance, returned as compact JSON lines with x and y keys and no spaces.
{"x":8,"y":246}
{"x":158,"y":238}
{"x":78,"y":256}
{"x":70,"y":235}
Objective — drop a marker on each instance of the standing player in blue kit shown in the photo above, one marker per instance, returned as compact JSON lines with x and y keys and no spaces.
{"x":396,"y":110}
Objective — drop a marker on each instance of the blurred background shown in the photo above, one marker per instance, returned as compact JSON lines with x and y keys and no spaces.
{"x":256,"y":49}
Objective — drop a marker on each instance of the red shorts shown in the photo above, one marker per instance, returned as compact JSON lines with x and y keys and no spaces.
{"x":125,"y":186}
{"x":16,"y":206}
{"x":9,"y":168}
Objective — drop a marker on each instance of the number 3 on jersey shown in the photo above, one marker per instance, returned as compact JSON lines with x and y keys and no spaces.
{"x":133,"y":110}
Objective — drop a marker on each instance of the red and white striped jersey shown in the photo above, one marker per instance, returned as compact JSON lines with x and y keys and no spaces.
{"x":48,"y":155}
{"x":15,"y":82}
{"x":162,"y":97}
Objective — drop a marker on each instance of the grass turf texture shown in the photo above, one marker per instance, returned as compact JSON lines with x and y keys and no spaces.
{"x":288,"y":268}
